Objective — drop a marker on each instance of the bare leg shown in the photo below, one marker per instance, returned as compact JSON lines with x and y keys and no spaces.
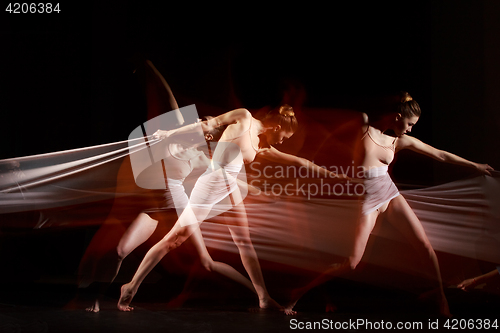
{"x":400,"y":214}
{"x":174,"y":238}
{"x":365,"y":226}
{"x":185,"y":227}
{"x":248,"y":255}
{"x":241,"y":237}
{"x":139,"y":231}
{"x":215,"y":266}
{"x":208,"y":264}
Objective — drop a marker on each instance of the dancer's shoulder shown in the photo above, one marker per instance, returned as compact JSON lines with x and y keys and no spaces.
{"x":412,"y":143}
{"x":365,"y":123}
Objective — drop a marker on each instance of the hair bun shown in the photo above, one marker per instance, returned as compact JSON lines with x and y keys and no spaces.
{"x":286,"y":110}
{"x":406,"y":97}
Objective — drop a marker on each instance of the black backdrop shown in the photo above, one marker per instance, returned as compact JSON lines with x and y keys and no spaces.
{"x":67,"y":78}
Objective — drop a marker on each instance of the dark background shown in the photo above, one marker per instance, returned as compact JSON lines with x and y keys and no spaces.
{"x":67,"y":79}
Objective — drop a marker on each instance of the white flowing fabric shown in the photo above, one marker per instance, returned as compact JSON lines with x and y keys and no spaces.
{"x":63,"y":178}
{"x":460,"y":218}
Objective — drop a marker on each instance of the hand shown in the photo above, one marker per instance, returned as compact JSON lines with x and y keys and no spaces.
{"x":342,"y":176}
{"x":209,"y":124}
{"x":467,"y":284}
{"x":159,"y":134}
{"x":205,"y":125}
{"x":484,"y":169}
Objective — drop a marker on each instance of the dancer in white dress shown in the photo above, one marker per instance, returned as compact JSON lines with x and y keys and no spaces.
{"x":382,"y":198}
{"x":101,"y":266}
{"x":243,"y":139}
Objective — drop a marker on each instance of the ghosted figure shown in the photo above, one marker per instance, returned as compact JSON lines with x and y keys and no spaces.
{"x":161,"y":205}
{"x":179,"y":160}
{"x":243,"y":138}
{"x":375,"y":152}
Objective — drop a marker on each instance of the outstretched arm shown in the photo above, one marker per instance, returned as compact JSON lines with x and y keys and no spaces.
{"x":273,"y":154}
{"x":408,"y":142}
{"x":239,"y":117}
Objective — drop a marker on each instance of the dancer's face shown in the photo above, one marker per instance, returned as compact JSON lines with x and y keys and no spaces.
{"x":277,"y":135}
{"x":404,"y":125}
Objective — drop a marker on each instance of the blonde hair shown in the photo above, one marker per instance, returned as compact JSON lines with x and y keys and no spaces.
{"x":286,"y":111}
{"x":408,"y":107}
{"x":283,"y":116}
{"x":406,"y":97}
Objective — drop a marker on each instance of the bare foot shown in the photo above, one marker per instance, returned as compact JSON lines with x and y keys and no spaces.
{"x":296,"y":295}
{"x":94,"y":308}
{"x":289,"y":311}
{"x":269,"y":303}
{"x":126,"y":296}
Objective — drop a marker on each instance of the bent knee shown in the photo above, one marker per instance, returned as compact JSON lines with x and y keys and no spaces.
{"x":243,"y":244}
{"x":174,"y":244}
{"x":169,"y":244}
{"x":121,"y":254}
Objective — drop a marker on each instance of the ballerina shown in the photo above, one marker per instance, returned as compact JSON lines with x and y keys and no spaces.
{"x":180,"y":160}
{"x":382,"y":198}
{"x":242,"y":140}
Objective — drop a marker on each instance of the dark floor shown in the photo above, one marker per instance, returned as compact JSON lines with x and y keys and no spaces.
{"x":60,"y":308}
{"x":38,"y":293}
